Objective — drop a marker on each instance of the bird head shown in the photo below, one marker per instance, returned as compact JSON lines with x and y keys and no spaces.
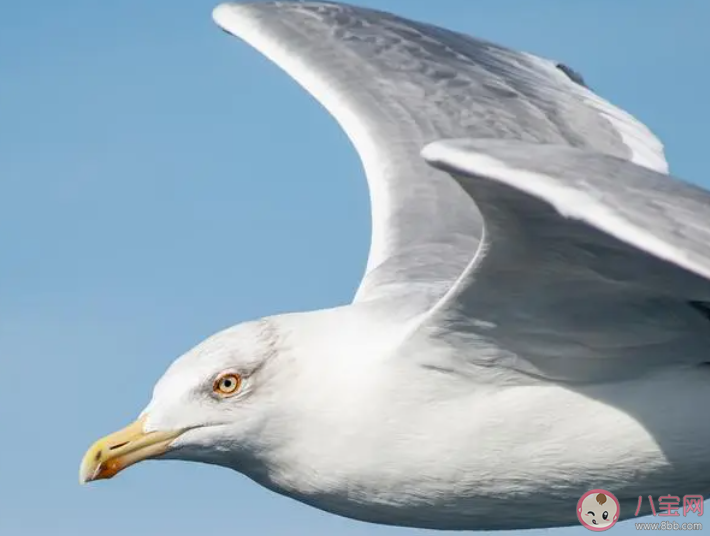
{"x":209,"y":406}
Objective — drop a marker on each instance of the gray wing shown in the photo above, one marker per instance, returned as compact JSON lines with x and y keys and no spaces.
{"x":591,"y":267}
{"x":395,"y":85}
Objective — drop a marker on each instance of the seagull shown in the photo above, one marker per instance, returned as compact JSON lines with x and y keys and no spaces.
{"x":533,"y":322}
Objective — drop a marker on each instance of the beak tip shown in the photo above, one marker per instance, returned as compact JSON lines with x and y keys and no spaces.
{"x":86,"y":474}
{"x":114,"y":453}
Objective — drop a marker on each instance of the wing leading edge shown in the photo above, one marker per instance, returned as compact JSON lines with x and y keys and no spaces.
{"x":395,"y":85}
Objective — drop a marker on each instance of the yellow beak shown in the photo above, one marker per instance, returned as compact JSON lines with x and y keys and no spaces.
{"x":114,"y":453}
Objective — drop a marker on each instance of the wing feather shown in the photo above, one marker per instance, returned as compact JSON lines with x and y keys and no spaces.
{"x":395,"y":85}
{"x":592,"y":267}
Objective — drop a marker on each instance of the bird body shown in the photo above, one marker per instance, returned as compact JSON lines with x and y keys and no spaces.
{"x":444,"y":448}
{"x":533,"y":320}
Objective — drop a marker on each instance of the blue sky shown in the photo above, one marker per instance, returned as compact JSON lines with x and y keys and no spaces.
{"x":161,"y":181}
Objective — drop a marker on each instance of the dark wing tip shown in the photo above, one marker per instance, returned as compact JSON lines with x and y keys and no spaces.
{"x":702,"y":307}
{"x":572,"y":74}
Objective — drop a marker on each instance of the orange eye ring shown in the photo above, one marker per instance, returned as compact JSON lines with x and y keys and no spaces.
{"x":227,"y":384}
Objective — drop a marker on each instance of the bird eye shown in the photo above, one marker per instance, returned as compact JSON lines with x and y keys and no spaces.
{"x":227,"y":384}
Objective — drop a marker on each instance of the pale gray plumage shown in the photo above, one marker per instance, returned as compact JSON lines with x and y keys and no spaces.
{"x":591,"y":261}
{"x":395,"y":85}
{"x":532,"y":323}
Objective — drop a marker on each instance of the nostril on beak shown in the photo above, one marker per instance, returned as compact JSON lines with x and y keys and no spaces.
{"x":118,"y":446}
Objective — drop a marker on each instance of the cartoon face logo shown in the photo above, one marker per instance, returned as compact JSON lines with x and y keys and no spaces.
{"x":598,"y":510}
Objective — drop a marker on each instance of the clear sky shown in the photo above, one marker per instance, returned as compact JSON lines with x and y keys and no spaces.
{"x":160,"y":180}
